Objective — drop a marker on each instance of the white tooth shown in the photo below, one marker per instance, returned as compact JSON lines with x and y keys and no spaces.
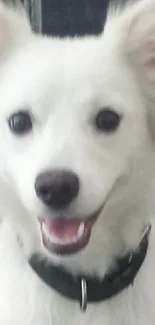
{"x":44,"y":228}
{"x":81,"y":229}
{"x":46,"y":232}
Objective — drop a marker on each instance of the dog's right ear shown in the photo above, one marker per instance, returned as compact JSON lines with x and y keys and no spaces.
{"x":14,"y":29}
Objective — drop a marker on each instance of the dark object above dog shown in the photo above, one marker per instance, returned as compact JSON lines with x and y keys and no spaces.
{"x":73,"y":17}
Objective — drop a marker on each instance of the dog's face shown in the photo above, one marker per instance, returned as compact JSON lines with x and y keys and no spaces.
{"x":73,"y":132}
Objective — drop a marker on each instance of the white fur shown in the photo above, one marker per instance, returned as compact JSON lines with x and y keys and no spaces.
{"x":65,"y":83}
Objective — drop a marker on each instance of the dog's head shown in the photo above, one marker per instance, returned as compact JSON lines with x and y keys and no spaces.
{"x":76,"y":132}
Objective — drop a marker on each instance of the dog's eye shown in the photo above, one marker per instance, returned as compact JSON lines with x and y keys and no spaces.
{"x":20,"y":122}
{"x":107,"y":120}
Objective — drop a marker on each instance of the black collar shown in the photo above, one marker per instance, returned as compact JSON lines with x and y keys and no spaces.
{"x":87,"y":289}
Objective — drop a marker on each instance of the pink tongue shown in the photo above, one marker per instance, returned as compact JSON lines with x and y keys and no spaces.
{"x":62,"y":228}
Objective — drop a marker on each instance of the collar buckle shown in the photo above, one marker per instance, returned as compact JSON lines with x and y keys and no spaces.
{"x":84,"y":298}
{"x":146,"y":232}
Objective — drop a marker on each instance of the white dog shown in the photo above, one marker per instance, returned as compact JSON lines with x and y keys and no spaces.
{"x":77,"y":173}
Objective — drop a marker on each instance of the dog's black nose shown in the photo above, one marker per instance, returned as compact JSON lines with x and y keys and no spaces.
{"x":57,"y":188}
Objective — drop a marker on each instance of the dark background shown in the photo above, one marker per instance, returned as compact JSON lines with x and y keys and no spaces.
{"x":73,"y":17}
{"x":68,"y":17}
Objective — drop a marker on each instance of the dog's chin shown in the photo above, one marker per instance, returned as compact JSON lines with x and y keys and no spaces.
{"x":63,"y":236}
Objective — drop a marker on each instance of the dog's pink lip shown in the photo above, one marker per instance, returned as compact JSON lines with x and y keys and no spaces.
{"x":62,"y":217}
{"x":61,"y":227}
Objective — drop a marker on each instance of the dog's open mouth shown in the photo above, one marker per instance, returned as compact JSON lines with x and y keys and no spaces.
{"x":66,"y":236}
